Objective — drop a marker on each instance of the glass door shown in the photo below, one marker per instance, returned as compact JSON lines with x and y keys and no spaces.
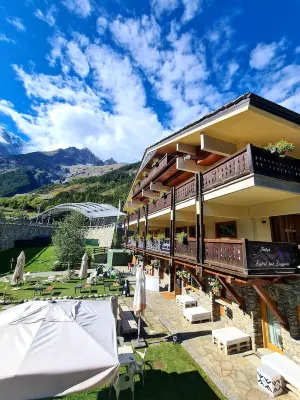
{"x":271,"y":329}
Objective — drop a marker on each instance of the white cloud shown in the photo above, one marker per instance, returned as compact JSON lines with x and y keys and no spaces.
{"x":233,"y":67}
{"x":102,"y":24}
{"x":82,"y":8}
{"x":17,"y":23}
{"x":48,"y":17}
{"x":262,"y":55}
{"x":4,"y":38}
{"x":190,"y":8}
{"x":78,"y":59}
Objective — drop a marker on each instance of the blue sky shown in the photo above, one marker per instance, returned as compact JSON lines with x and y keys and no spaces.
{"x":115,"y":76}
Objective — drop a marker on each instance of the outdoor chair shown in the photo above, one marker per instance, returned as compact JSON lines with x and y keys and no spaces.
{"x":120,"y":340}
{"x":106,"y":285}
{"x":124,"y":382}
{"x":139,"y":366}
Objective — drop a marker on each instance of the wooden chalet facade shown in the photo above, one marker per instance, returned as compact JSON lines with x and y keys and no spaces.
{"x":211,"y":200}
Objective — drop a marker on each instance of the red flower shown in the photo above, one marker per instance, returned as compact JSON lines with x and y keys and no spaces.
{"x":286,"y":153}
{"x":282,"y":137}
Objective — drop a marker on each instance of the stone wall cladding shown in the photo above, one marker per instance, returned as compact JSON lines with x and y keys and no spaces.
{"x":103,"y":234}
{"x":19,"y":231}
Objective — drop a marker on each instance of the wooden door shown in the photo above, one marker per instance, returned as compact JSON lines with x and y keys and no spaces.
{"x":286,"y":228}
{"x":271,"y":329}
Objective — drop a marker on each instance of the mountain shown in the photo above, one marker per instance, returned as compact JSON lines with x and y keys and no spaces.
{"x":9,"y":143}
{"x":21,"y":173}
{"x":108,"y":188}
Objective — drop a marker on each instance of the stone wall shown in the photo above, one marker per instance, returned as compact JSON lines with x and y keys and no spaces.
{"x":9,"y":232}
{"x":104,"y":235}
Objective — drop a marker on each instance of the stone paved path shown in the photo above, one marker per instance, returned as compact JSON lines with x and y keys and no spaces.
{"x":234,"y":375}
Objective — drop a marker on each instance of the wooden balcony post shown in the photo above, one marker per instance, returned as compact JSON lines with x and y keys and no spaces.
{"x":172,"y":223}
{"x":138,"y":221}
{"x":199,"y":221}
{"x":250,"y":157}
{"x":146,"y":226}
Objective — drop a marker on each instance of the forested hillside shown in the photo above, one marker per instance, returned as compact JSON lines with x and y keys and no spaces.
{"x":108,"y":188}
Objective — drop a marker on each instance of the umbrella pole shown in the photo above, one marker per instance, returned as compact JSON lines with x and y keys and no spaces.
{"x":139,"y":327}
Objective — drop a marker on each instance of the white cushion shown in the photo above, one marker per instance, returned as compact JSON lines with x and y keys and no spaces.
{"x":184,"y":298}
{"x":284,"y":366}
{"x":196,"y":313}
{"x":230,"y":335}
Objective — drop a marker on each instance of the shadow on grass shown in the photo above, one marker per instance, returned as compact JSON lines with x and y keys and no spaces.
{"x":159,"y":385}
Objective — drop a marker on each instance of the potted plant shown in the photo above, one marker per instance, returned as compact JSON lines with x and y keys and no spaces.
{"x":216,"y":286}
{"x":161,"y":237}
{"x":182,"y":274}
{"x":152,"y":200}
{"x":155,"y":263}
{"x":139,"y":257}
{"x":181,"y":237}
{"x":155,"y":162}
{"x":145,"y":174}
{"x":163,"y":194}
{"x":138,"y":182}
{"x":149,"y":237}
{"x":136,"y":236}
{"x":281,"y":148}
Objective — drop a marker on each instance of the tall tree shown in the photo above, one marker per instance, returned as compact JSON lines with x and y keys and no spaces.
{"x":69,"y":239}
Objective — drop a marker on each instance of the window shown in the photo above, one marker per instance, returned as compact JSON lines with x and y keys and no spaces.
{"x":192,"y":231}
{"x":167,"y":232}
{"x":226,"y":229}
{"x":180,"y":229}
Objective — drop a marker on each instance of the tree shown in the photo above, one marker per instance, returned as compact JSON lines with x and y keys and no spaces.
{"x":69,"y":239}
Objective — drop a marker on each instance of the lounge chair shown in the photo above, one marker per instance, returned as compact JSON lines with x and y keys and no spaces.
{"x":124,"y":382}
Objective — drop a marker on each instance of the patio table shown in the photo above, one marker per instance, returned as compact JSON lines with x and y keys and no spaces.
{"x":126,"y":355}
{"x":78,"y":287}
{"x":37,"y":289}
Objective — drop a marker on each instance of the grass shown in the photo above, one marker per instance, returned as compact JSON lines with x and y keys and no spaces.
{"x":171,"y":374}
{"x":38,"y":259}
{"x":26,"y":291}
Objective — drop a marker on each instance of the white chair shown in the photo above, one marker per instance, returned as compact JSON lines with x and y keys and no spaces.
{"x":139,"y":366}
{"x":120,"y":340}
{"x":124,"y":382}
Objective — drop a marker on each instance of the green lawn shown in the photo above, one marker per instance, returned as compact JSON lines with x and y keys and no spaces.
{"x":61,"y":289}
{"x":171,"y":374}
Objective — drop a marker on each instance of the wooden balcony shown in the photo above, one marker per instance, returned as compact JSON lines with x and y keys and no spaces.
{"x":186,"y":250}
{"x":185,"y":191}
{"x":160,"y":204}
{"x":154,"y":173}
{"x":133,"y":216}
{"x":252,"y":160}
{"x":252,"y":258}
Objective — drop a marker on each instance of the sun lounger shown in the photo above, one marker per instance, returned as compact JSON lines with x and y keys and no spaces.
{"x":186,"y":301}
{"x":287,"y":368}
{"x":194,"y":314}
{"x":231,"y":340}
{"x":48,"y":289}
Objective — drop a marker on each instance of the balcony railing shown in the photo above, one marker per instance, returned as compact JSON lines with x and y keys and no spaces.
{"x":252,"y":160}
{"x":160,"y":204}
{"x":155,"y":171}
{"x":161,"y":246}
{"x":252,"y":258}
{"x":186,"y":190}
{"x":133,"y":217}
{"x":186,"y":250}
{"x":140,"y":244}
{"x":131,"y":242}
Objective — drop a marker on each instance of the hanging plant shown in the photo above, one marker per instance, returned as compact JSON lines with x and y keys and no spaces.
{"x":181,"y":237}
{"x":145,"y":174}
{"x":149,"y":237}
{"x":139,"y":257}
{"x":152,"y":200}
{"x":155,"y":162}
{"x":137,"y":182}
{"x":155,"y":263}
{"x":215,"y":285}
{"x":161,"y":237}
{"x":281,"y":148}
{"x":163,"y":194}
{"x":182,"y":274}
{"x":136,"y":236}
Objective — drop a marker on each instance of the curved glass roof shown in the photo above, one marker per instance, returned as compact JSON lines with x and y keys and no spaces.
{"x":89,"y":210}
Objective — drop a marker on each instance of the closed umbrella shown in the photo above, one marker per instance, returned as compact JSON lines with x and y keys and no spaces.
{"x":84,"y":267}
{"x":139,"y":301}
{"x":19,"y":270}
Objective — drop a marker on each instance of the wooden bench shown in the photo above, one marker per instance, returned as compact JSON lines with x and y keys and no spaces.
{"x":194,"y":314}
{"x":231,"y":340}
{"x":49,"y":289}
{"x":128,"y":322}
{"x":287,"y":368}
{"x":185,"y":301}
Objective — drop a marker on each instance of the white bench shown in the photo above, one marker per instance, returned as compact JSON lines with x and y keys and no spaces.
{"x":194,"y":314}
{"x":231,"y":340}
{"x":185,"y":301}
{"x":287,"y":368}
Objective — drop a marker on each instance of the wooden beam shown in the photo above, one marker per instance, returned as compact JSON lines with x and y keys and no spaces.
{"x":272,"y":306}
{"x":235,"y":296}
{"x":217,"y":146}
{"x":149,"y":193}
{"x":188,"y":165}
{"x":186,"y":148}
{"x":158,"y":186}
{"x":258,"y":282}
{"x":195,"y":277}
{"x":134,"y":203}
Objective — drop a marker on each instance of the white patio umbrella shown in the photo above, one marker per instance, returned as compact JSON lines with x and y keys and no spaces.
{"x":84,"y":266}
{"x":19,"y":269}
{"x":139,"y":301}
{"x":56,"y":348}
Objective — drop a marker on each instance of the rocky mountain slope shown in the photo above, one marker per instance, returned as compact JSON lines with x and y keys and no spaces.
{"x":9,"y":143}
{"x":21,"y":173}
